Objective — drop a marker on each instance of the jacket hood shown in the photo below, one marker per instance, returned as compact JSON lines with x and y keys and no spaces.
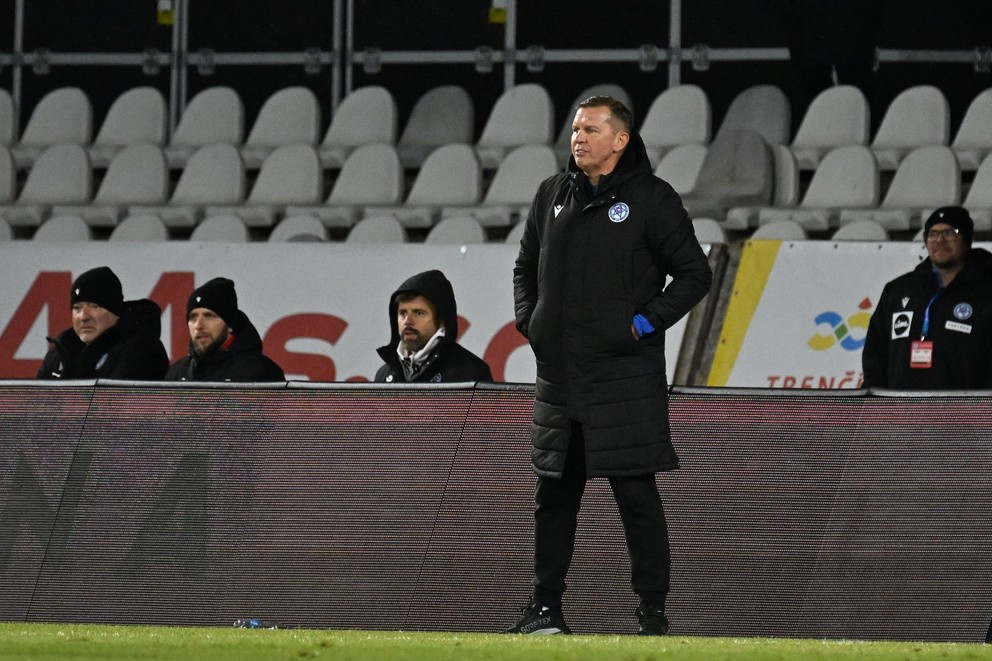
{"x":142,"y":315}
{"x":633,"y":159}
{"x":435,"y":287}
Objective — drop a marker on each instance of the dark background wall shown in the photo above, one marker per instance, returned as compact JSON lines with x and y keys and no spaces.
{"x":256,"y":25}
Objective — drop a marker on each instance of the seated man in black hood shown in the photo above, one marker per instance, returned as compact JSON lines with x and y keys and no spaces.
{"x":423,"y":348}
{"x":109,"y":338}
{"x":224,"y":345}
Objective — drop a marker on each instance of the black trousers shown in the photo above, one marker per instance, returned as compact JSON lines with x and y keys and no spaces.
{"x":556,"y":517}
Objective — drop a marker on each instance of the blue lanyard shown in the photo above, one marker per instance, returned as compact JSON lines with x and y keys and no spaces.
{"x":926,"y":314}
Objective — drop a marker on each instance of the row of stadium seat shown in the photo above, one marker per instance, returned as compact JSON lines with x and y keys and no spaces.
{"x":738,"y":180}
{"x":524,"y":114}
{"x":460,"y":230}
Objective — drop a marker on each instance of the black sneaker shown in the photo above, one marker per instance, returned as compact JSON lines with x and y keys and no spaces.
{"x":542,"y":620}
{"x":652,"y":620}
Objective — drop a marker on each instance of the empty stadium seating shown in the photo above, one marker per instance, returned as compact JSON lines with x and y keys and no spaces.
{"x":149,"y":179}
{"x":680,"y":115}
{"x":222,"y":228}
{"x":927,"y":177}
{"x":512,"y":188}
{"x":451,"y":176}
{"x":785,"y":190}
{"x":139,"y":116}
{"x":215,"y":115}
{"x":522,"y":115}
{"x":63,"y":116}
{"x":837,"y":117}
{"x":917,"y":117}
{"x":443,"y":115}
{"x":457,"y":230}
{"x":680,"y":166}
{"x":973,"y":139}
{"x":138,"y":175}
{"x":371,"y":175}
{"x":377,"y":229}
{"x":61,"y":175}
{"x":299,"y":228}
{"x":58,"y":229}
{"x":8,"y":128}
{"x":214,"y":175}
{"x":289,"y":116}
{"x":366,"y":116}
{"x":140,"y":228}
{"x":764,"y":109}
{"x":738,"y":171}
{"x":846,"y":178}
{"x":290,"y":175}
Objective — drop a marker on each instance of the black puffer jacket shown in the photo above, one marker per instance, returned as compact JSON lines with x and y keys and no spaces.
{"x":450,"y":362}
{"x":587,"y":266}
{"x":130,"y":349}
{"x":241,"y":362}
{"x":960,"y":328}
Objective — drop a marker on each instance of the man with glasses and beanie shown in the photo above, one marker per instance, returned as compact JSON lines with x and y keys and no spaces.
{"x":932,"y":327}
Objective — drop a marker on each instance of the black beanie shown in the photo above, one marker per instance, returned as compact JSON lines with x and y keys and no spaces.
{"x":100,"y":286}
{"x":955,"y":217}
{"x":217,"y":295}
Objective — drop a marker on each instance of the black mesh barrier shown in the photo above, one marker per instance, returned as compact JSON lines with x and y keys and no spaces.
{"x":41,"y":470}
{"x":812,"y":515}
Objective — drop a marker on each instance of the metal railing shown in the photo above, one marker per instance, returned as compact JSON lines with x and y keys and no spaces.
{"x":343,"y":58}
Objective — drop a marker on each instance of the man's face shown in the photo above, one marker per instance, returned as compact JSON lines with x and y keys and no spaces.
{"x":90,"y":320}
{"x":596,"y":145}
{"x":945,"y":248}
{"x":206,"y":329}
{"x":416,"y":323}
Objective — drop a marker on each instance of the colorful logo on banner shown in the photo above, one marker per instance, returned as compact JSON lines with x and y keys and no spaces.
{"x":840,"y":329}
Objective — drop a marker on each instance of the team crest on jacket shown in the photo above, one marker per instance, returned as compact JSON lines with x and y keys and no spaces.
{"x":619,"y":212}
{"x":963,"y":311}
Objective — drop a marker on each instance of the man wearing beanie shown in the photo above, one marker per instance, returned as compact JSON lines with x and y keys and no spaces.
{"x":423,"y":321}
{"x":224,"y":345}
{"x":109,"y":338}
{"x":932,"y":327}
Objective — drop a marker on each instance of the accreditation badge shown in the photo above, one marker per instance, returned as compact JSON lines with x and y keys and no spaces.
{"x":921,"y":354}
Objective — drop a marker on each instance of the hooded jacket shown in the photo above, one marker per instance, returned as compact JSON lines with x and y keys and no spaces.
{"x":242,"y":361}
{"x":130,"y":349}
{"x":589,"y":263}
{"x":449,"y":362}
{"x":960,"y":329}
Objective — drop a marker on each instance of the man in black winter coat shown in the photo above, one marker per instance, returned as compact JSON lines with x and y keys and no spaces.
{"x":224,"y":344}
{"x":932,"y":327}
{"x":590,"y":297}
{"x":110,"y":338}
{"x":423,"y":346}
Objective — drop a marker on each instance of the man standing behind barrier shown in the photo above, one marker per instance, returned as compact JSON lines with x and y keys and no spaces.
{"x":224,"y":344}
{"x":932,"y":327}
{"x":109,"y":338}
{"x":423,"y":348}
{"x":589,"y":287}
